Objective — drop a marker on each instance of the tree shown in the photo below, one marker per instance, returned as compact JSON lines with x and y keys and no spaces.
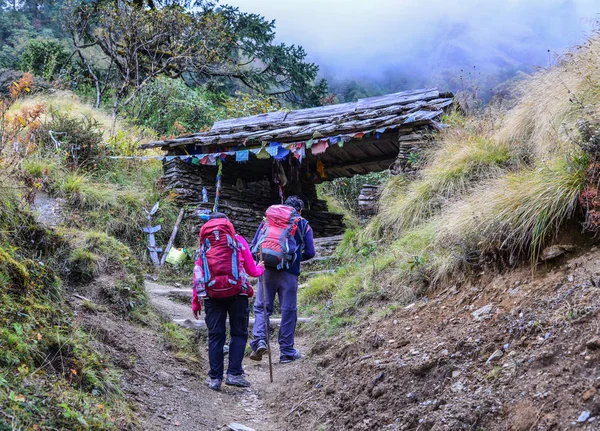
{"x":143,"y":39}
{"x":275,"y":70}
{"x":44,"y":57}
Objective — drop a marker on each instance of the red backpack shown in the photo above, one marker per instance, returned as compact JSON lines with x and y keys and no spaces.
{"x":221,"y":259}
{"x":276,"y":242}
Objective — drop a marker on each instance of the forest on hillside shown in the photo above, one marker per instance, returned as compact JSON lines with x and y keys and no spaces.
{"x":175,"y":66}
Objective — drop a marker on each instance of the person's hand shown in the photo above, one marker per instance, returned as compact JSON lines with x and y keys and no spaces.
{"x":196,"y":314}
{"x":261,"y":264}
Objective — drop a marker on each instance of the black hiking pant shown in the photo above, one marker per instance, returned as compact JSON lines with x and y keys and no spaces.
{"x":217,"y":311}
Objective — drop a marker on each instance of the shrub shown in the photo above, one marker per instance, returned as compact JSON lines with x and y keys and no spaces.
{"x":44,"y":57}
{"x":171,"y":107}
{"x":516,"y":214}
{"x":39,"y":168}
{"x":462,"y":160}
{"x":79,"y":139}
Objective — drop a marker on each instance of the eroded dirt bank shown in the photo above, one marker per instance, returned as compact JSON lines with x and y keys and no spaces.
{"x":519,"y":351}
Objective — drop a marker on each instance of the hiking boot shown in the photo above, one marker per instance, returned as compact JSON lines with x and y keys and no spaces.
{"x":214,"y":384}
{"x":290,"y":358}
{"x":261,"y":349}
{"x":238,"y":381}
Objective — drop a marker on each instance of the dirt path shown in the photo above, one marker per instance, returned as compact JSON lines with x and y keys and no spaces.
{"x":172,"y":394}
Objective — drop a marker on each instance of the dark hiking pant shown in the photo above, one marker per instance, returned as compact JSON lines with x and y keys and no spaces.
{"x":216,"y":313}
{"x":285,"y":285}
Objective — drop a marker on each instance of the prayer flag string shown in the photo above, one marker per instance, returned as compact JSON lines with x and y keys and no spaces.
{"x":218,"y":189}
{"x":317,"y":145}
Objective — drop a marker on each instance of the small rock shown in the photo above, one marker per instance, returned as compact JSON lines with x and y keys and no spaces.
{"x":588,"y":394}
{"x":483,"y":313}
{"x":457,"y":387}
{"x":593,"y":344}
{"x":584,"y":416}
{"x":495,"y":356}
{"x":395,"y":322}
{"x":378,"y":391}
{"x":408,"y":328}
{"x":234,"y":426}
{"x":555,"y":250}
{"x":455,"y":374}
{"x":570,"y":278}
{"x":444,"y":352}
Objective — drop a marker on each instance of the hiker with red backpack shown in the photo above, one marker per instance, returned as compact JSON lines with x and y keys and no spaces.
{"x":283,"y":240}
{"x":221,"y":280}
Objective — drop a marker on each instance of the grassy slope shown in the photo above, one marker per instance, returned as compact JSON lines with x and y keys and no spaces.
{"x":52,"y":377}
{"x":111,"y":195}
{"x":500,"y":186}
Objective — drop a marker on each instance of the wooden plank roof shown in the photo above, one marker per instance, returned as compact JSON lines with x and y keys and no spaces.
{"x":407,"y":109}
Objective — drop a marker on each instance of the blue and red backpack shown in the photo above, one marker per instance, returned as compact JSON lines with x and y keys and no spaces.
{"x":221,"y":260}
{"x":276,"y":243}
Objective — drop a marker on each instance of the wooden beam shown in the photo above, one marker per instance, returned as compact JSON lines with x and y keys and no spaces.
{"x":173,"y":235}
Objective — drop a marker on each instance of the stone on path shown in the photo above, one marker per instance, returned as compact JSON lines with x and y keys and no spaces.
{"x":584,"y":416}
{"x":495,"y":356}
{"x":483,"y":313}
{"x":234,"y":426}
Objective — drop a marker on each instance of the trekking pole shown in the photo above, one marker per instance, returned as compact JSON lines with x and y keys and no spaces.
{"x":267,"y":329}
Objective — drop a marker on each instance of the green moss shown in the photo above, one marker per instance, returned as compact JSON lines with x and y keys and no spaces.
{"x":13,"y":274}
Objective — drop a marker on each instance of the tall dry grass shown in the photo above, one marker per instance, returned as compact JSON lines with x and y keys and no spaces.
{"x":498,"y":188}
{"x":552,"y":101}
{"x":465,"y":157}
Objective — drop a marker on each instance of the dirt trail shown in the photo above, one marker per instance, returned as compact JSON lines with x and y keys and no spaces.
{"x":170,"y":393}
{"x":173,"y":396}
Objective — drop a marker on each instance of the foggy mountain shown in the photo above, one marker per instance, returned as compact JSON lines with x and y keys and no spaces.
{"x":385,"y":45}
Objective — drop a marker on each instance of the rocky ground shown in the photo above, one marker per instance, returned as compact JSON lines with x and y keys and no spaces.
{"x":519,"y":351}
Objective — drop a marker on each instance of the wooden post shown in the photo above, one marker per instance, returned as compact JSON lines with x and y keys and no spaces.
{"x":267,"y":322}
{"x":173,"y":235}
{"x":154,"y":250}
{"x":150,"y":231}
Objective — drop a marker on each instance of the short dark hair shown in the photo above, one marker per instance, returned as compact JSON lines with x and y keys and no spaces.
{"x":218,"y":215}
{"x":295,"y":202}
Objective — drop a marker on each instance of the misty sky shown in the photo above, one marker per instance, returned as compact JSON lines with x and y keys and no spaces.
{"x":427,"y":38}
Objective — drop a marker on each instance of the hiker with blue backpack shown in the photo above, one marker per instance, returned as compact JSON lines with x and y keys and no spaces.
{"x":283,"y":240}
{"x":221,"y":281}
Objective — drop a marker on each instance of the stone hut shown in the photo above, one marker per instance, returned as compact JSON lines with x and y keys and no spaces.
{"x":262,"y":158}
